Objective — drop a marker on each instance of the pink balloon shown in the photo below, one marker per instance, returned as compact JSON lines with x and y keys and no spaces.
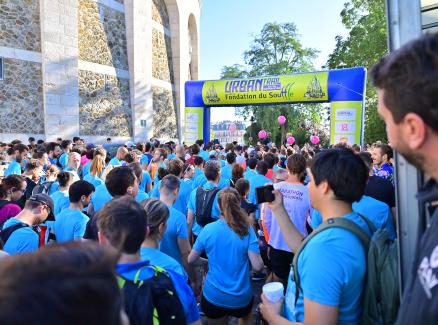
{"x":314,"y":139}
{"x":262,"y":134}
{"x":290,"y":140}
{"x":281,"y":120}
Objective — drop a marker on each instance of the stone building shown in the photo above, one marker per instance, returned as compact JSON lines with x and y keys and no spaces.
{"x":96,"y":68}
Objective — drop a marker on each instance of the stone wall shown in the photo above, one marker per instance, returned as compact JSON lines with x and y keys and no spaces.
{"x":21,"y":98}
{"x":162,"y":65}
{"x":165,"y":117}
{"x":104,"y":110}
{"x":159,"y":13}
{"x":102,"y":35}
{"x":20,"y":24}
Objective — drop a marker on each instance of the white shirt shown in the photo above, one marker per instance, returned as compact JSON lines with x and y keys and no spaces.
{"x":297,"y":204}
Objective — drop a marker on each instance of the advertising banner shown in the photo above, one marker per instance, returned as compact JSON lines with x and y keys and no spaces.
{"x":194,"y":120}
{"x":346,"y":122}
{"x":305,"y":87}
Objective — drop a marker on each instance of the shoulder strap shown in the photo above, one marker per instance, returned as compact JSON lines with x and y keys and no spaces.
{"x":370,"y":225}
{"x":6,"y":233}
{"x":330,"y":223}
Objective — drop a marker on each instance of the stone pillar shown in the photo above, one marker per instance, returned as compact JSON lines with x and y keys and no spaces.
{"x":138,"y":16}
{"x":59,"y":35}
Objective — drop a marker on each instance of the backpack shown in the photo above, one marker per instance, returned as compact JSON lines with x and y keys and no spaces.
{"x":39,"y":230}
{"x":42,"y":188}
{"x":204,"y":205}
{"x":152,"y":301}
{"x":380,"y":298}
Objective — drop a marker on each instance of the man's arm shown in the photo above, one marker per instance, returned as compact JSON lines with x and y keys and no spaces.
{"x":184,"y":248}
{"x":190,"y":219}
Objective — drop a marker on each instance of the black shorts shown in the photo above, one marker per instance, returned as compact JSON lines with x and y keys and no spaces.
{"x":280,"y":262}
{"x":214,"y":312}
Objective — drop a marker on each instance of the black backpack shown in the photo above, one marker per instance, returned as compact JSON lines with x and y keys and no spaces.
{"x":204,"y":205}
{"x":152,"y":301}
{"x":42,"y":188}
{"x":6,"y":233}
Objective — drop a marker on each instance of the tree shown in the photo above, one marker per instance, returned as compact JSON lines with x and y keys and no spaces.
{"x":365,"y":44}
{"x":277,"y":50}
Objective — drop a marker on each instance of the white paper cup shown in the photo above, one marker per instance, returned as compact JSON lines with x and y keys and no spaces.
{"x":273,"y":291}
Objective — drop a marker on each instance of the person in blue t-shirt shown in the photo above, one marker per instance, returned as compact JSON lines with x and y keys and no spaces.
{"x":175,"y":240}
{"x":157,"y":218}
{"x":60,"y":197}
{"x":14,"y":167}
{"x":141,"y":194}
{"x":66,"y":146}
{"x":212,"y":172}
{"x":199,"y":166}
{"x":123,"y":225}
{"x":231,"y":245}
{"x":226,"y":170}
{"x":251,"y":169}
{"x":332,"y":265}
{"x":70,"y":224}
{"x":24,"y":239}
{"x":97,"y":168}
{"x":119,"y":158}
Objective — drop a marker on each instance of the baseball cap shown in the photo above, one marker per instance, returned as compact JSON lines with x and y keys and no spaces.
{"x":90,"y":146}
{"x":46,"y":200}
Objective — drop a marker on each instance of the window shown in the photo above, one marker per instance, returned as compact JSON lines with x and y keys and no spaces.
{"x":1,"y":68}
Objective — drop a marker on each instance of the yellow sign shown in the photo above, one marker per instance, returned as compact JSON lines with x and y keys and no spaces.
{"x":346,"y":122}
{"x":194,"y":121}
{"x":306,"y":87}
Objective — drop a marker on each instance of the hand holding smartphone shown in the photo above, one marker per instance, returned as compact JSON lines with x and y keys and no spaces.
{"x":264,"y":194}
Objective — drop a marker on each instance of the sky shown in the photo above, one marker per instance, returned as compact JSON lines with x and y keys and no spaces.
{"x":228,"y":27}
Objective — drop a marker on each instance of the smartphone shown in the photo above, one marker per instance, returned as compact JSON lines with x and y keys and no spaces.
{"x":264,"y":194}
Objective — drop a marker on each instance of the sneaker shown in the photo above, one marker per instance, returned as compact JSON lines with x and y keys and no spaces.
{"x":258,"y":276}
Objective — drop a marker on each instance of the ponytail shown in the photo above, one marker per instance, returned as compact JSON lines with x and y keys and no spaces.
{"x":64,"y":178}
{"x":236,"y":218}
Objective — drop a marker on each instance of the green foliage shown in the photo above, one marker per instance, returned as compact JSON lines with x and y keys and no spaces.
{"x":365,"y":45}
{"x":277,"y":50}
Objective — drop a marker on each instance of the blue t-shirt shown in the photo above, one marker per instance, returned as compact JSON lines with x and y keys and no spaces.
{"x":158,"y":258}
{"x":171,"y":156}
{"x":23,"y":240}
{"x":254,"y":182}
{"x":201,"y":180}
{"x":204,"y":155}
{"x":61,"y":201}
{"x":115,"y":162}
{"x":176,"y":228}
{"x":14,"y":168}
{"x":100,"y":197}
{"x":86,"y":169}
{"x":145,"y":180}
{"x":215,"y":212}
{"x":229,"y":286}
{"x":144,"y":160}
{"x":185,"y":189}
{"x":96,"y":181}
{"x":155,"y":192}
{"x":183,"y":290}
{"x":141,"y":195}
{"x":54,"y":188}
{"x":250,"y":173}
{"x":63,"y":160}
{"x":69,"y":225}
{"x":377,"y":212}
{"x":226,"y":171}
{"x":332,"y":270}
{"x":197,"y":172}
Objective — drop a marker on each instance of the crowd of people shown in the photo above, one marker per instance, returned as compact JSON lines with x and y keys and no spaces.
{"x":166,"y":233}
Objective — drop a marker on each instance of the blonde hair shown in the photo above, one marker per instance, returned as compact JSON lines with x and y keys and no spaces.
{"x":97,"y":165}
{"x":236,"y":218}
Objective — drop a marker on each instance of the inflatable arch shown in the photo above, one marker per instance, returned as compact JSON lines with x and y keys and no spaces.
{"x":343,"y":88}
